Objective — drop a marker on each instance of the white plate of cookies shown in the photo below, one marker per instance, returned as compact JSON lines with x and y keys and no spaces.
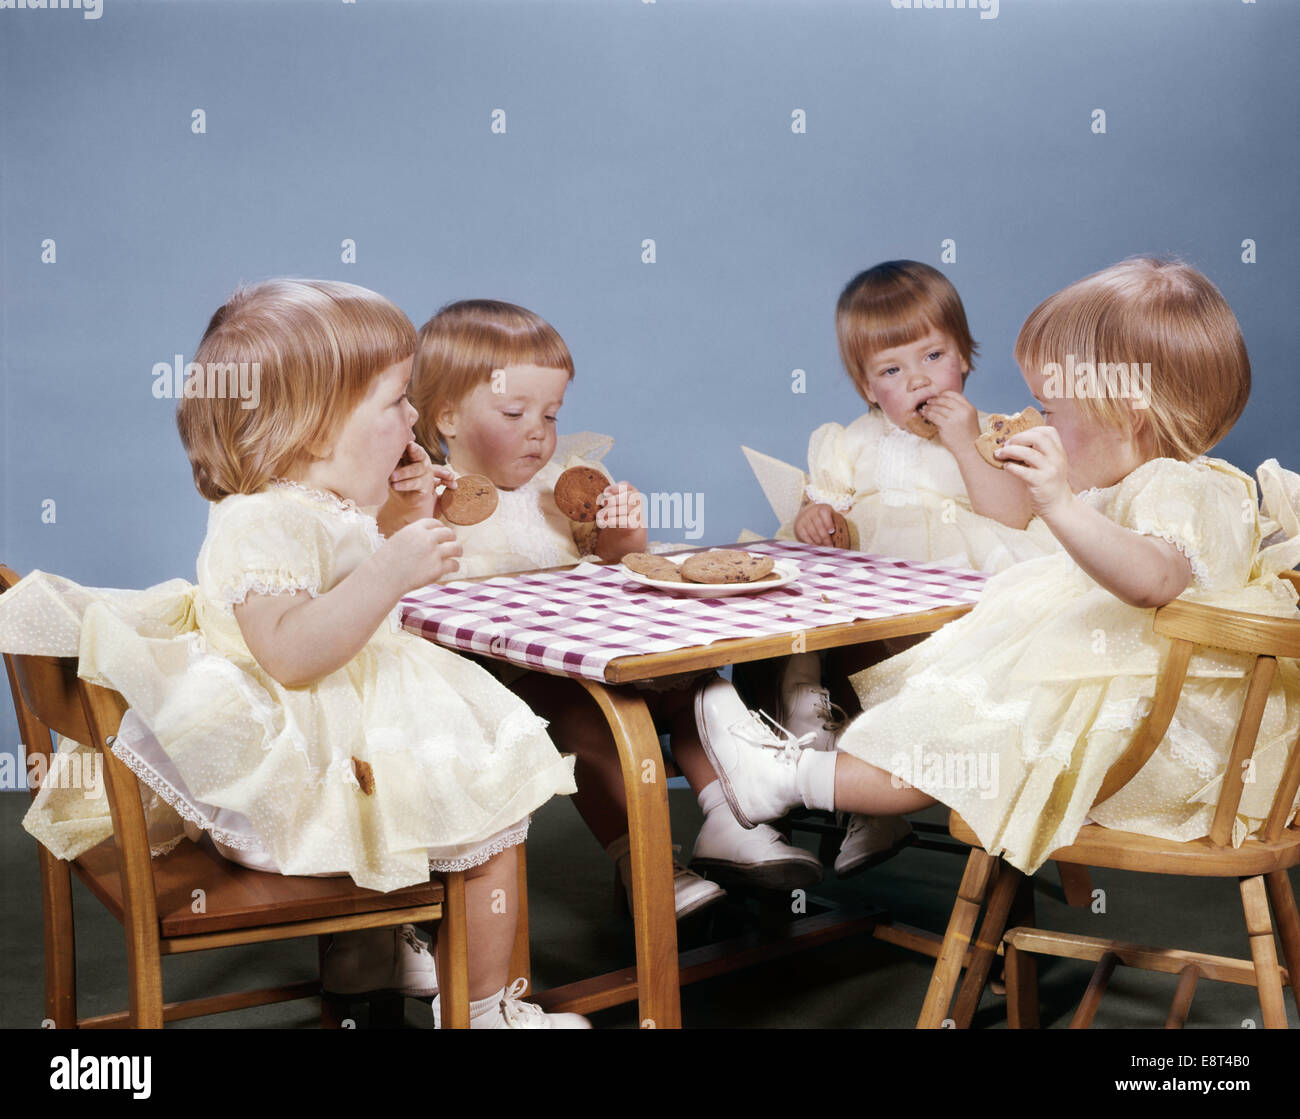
{"x":718,"y":573}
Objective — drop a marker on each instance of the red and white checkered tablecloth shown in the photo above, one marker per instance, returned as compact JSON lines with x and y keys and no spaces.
{"x":577,"y":621}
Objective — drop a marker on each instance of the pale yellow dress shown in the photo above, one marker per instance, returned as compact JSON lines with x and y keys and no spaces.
{"x":527,"y":531}
{"x":1013,"y":714}
{"x":458,"y":762}
{"x":905,"y":497}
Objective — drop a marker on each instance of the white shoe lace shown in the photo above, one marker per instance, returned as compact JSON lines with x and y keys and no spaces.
{"x":756,"y":732}
{"x":522,"y":1015}
{"x":833,"y":716}
{"x":407,"y":933}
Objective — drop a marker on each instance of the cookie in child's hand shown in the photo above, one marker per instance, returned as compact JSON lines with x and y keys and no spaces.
{"x":919,"y":425}
{"x":653,"y":567}
{"x":474,"y":499}
{"x":584,"y":537}
{"x":842,"y":537}
{"x":726,"y":565}
{"x":1001,"y":428}
{"x":365,"y":775}
{"x":578,"y":490}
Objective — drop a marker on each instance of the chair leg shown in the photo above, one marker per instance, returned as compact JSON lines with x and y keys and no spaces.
{"x":1006,"y":886}
{"x":333,"y":1008}
{"x":1288,"y":925}
{"x":965,"y":911}
{"x":1182,"y":1004}
{"x":1087,"y":1010}
{"x":1076,"y":884}
{"x":1022,"y":989}
{"x":1263,"y":951}
{"x":453,"y":989}
{"x":60,"y":943}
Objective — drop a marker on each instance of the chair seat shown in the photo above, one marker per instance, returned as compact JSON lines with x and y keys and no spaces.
{"x":235,"y":897}
{"x":1126,"y":850}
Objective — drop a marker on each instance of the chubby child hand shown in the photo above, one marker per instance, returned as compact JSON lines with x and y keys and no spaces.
{"x":1038,"y":458}
{"x":621,"y":521}
{"x":418,"y":554}
{"x":957,"y":420}
{"x":815,"y":525}
{"x":411,"y":488}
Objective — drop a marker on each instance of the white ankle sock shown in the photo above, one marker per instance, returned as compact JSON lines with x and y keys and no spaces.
{"x":712,"y":798}
{"x":484,"y":1013}
{"x":815,"y":779}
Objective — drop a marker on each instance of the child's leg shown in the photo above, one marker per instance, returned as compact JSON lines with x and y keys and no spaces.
{"x":765,"y":775}
{"x":578,"y":728}
{"x":490,"y":918}
{"x":860,"y":787}
{"x":491,"y":914}
{"x":724,"y":848}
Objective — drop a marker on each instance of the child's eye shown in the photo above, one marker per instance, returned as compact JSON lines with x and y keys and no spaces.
{"x":512,"y":415}
{"x":934,"y":355}
{"x":550,"y":419}
{"x":889,"y":372}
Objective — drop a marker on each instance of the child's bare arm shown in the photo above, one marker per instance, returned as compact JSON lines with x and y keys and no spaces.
{"x":298,"y":639}
{"x":1140,"y":570}
{"x":993,"y":493}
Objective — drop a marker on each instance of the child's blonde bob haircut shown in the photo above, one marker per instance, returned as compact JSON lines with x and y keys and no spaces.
{"x":1160,"y":313}
{"x":317,"y":346}
{"x":893,"y":304}
{"x":463,"y":345}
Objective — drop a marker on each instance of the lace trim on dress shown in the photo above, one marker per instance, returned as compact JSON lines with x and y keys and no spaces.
{"x":519,"y":514}
{"x":512,"y":838}
{"x":1190,"y":748}
{"x":821,"y":497}
{"x":344,"y":507}
{"x":1200,"y":571}
{"x":234,"y":594}
{"x":183,"y":807}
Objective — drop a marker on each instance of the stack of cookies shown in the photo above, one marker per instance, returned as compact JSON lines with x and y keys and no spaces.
{"x":719,"y":566}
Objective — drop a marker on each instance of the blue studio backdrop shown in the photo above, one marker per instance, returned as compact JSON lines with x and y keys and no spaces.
{"x":681,"y":187}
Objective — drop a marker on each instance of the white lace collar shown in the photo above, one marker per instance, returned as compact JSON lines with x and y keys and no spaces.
{"x":343,"y":507}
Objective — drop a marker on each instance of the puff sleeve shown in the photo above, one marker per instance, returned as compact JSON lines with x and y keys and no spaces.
{"x":1207,"y":510}
{"x":830,"y":468}
{"x":258,"y":546}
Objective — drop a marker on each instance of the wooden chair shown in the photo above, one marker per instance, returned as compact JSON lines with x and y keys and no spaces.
{"x":1260,"y":865}
{"x":154,"y":899}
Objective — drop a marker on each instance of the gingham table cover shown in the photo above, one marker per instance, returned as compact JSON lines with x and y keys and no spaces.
{"x":577,"y":621}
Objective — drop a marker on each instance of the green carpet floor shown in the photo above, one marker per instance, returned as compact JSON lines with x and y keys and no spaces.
{"x":856,"y":983}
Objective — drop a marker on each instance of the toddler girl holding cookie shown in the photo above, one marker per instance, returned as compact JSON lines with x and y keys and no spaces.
{"x":903,"y":480}
{"x":1037,"y":691}
{"x":294,"y":718}
{"x":489,"y":380}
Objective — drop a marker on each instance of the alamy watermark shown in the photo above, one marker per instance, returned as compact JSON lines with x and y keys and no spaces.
{"x":988,"y":9}
{"x":947,"y":770}
{"x":1100,"y":380}
{"x":629,"y":509}
{"x":90,"y":9}
{"x":218,"y":380}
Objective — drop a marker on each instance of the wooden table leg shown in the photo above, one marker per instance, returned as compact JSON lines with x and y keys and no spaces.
{"x":653,"y":912}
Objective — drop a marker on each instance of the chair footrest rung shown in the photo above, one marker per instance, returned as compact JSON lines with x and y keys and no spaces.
{"x":213,"y":1004}
{"x":1172,"y":961}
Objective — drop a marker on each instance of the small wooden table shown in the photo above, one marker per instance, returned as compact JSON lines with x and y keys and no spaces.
{"x":480,"y":620}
